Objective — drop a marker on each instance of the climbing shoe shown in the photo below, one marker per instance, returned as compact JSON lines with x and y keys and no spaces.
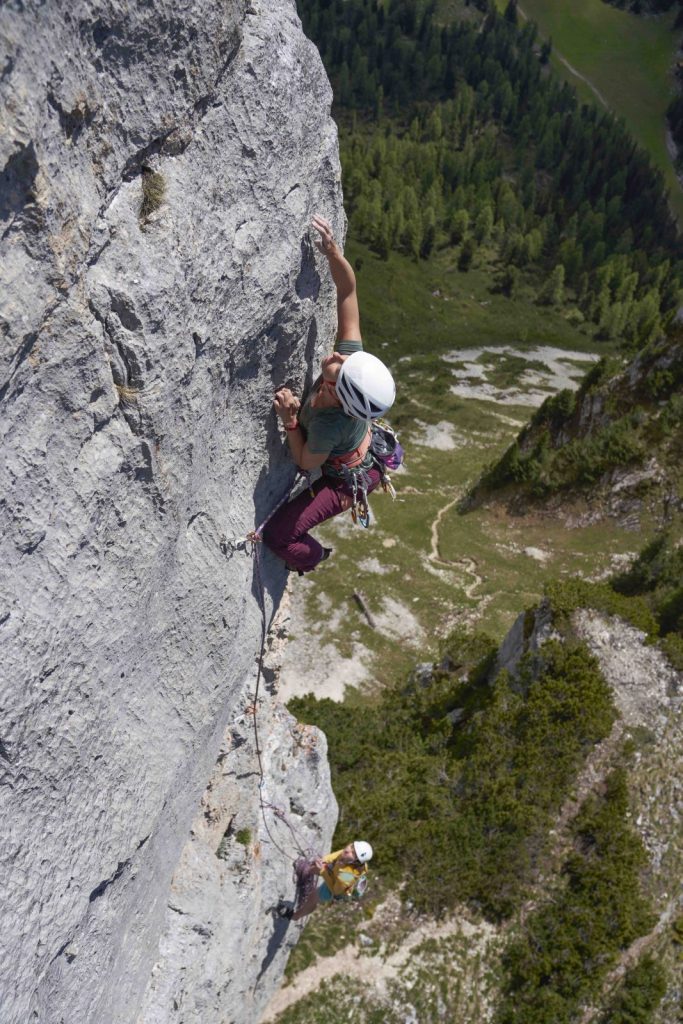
{"x":326,"y":554}
{"x":285,"y":909}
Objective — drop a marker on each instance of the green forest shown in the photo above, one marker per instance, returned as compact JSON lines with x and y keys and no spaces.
{"x":646,"y":6}
{"x":458,"y":136}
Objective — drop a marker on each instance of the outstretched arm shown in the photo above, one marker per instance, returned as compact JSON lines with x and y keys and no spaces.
{"x":348,"y":316}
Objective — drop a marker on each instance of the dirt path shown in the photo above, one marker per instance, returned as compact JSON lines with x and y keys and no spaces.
{"x":573,"y":71}
{"x":468,"y":564}
{"x":374,"y":971}
{"x":586,"y":81}
{"x":435,"y":553}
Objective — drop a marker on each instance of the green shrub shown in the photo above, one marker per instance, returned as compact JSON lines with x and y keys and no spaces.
{"x":585,"y":460}
{"x":153,"y":192}
{"x":672,"y":645}
{"x":671,"y":416}
{"x":243,"y":837}
{"x":655,"y":580}
{"x":462,"y":809}
{"x":641,"y":992}
{"x":597,"y":375}
{"x":568,"y":945}
{"x":660,"y":383}
{"x":578,"y":464}
{"x":555,"y":410}
{"x":566,"y":596}
{"x":645,"y":572}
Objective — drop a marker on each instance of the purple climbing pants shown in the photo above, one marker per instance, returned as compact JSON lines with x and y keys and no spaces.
{"x":287,"y":532}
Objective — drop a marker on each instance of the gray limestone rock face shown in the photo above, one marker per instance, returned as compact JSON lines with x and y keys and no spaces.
{"x":141,"y":345}
{"x":223,"y":949}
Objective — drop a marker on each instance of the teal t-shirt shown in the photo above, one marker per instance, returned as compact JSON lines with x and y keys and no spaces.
{"x":331,"y":430}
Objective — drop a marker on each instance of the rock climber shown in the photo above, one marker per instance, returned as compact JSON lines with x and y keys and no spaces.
{"x":331,"y":430}
{"x":343,"y":876}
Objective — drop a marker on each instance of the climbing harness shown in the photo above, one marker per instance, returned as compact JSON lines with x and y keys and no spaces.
{"x":386,"y":454}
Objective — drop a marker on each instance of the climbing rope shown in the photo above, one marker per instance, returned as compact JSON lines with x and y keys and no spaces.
{"x":256,"y":554}
{"x":254,"y":538}
{"x":361,"y":513}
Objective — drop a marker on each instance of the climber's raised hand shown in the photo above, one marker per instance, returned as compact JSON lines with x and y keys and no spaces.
{"x":326,"y":243}
{"x":348,"y":317}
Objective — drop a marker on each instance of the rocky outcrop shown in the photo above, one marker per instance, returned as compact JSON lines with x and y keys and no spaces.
{"x":647,"y":692}
{"x":160,"y":165}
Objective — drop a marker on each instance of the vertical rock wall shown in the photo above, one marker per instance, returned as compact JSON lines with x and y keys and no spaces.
{"x":138,"y":358}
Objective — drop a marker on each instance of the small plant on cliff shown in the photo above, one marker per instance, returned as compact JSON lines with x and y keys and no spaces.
{"x":153,"y":192}
{"x":127,"y":394}
{"x":243,"y":837}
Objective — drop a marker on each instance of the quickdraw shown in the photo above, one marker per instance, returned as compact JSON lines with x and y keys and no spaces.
{"x":386,"y":453}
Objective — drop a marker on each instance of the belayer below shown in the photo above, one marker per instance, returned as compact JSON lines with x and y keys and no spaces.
{"x":333,"y":429}
{"x":343,"y":876}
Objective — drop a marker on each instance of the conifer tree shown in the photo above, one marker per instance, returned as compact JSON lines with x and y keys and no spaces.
{"x":552,"y":292}
{"x":459,"y":224}
{"x":467,"y":252}
{"x":511,"y":12}
{"x":509,"y":281}
{"x":483,"y":225}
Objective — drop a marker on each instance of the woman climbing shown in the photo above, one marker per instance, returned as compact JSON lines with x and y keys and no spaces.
{"x":343,"y":875}
{"x":332,"y":428}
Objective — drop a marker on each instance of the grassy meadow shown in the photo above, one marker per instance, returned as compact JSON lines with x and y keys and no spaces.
{"x":628,"y":59}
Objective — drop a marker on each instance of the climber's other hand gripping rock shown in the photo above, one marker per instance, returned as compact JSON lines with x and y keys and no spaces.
{"x":287,"y":406}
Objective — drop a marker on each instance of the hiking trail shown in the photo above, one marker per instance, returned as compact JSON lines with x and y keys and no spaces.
{"x":374,"y":971}
{"x":573,"y":71}
{"x":465,"y":562}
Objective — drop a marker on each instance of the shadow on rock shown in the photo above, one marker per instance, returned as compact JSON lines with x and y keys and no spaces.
{"x":277,"y":938}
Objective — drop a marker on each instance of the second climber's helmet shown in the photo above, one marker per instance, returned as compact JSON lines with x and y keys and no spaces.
{"x":365,"y":387}
{"x":363,"y":850}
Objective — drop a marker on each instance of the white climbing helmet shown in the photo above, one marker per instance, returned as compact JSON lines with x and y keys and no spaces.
{"x":365,"y":387}
{"x":363,"y":850}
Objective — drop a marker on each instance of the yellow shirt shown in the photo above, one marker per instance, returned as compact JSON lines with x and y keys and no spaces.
{"x":340,"y":879}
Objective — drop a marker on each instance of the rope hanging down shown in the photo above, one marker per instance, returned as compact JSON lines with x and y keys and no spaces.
{"x":254,"y":538}
{"x":256,"y":553}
